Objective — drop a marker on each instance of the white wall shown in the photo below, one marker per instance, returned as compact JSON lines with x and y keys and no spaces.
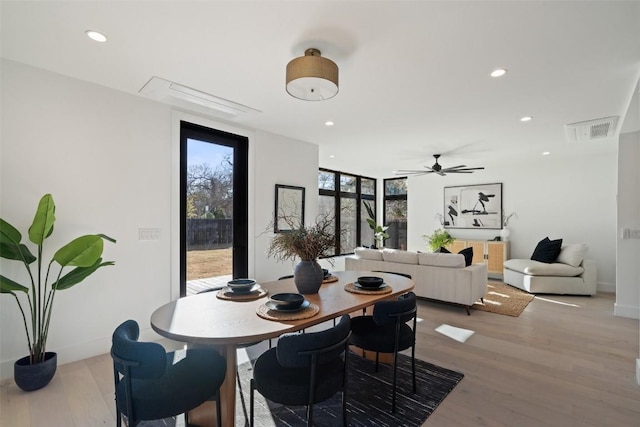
{"x":108,"y":158}
{"x":628,"y":250}
{"x":576,"y":204}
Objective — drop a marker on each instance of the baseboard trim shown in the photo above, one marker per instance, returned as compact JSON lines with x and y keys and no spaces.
{"x":626,"y":311}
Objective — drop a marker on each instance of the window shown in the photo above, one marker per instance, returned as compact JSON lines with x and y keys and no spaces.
{"x":214,"y":198}
{"x":342,"y":196}
{"x":395,"y":212}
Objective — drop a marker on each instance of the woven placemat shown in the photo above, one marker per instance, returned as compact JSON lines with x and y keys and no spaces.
{"x":228,"y":294}
{"x":330,"y":279}
{"x":264,"y":312}
{"x":350,"y":287}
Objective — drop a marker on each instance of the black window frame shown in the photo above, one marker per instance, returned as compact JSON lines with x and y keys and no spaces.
{"x":240,"y":145}
{"x":338,"y":194}
{"x":390,"y":197}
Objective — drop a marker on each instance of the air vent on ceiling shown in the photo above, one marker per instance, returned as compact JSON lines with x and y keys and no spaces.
{"x":193,"y":99}
{"x":592,"y":130}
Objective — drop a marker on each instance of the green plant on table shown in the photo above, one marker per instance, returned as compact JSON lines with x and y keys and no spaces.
{"x":439,"y":239}
{"x":84,"y":253}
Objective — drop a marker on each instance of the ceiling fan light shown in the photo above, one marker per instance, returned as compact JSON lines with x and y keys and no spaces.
{"x":312,"y":77}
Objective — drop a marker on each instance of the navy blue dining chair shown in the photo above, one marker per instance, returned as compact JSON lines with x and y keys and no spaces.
{"x":151,"y":384}
{"x":386,"y":331}
{"x":304,"y":369}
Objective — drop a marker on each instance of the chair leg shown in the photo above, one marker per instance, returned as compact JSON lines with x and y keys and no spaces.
{"x":344,"y":407}
{"x":466,"y":307}
{"x":219,"y":409}
{"x":393,"y":393}
{"x":309,"y":414}
{"x":377,"y":360}
{"x":413,"y":367}
{"x":482,"y":300}
{"x":251,"y":387}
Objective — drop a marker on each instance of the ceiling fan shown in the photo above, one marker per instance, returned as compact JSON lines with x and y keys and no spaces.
{"x":437,"y":168}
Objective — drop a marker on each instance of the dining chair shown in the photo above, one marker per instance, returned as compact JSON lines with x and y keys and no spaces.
{"x":151,"y":384}
{"x":304,"y":369}
{"x":386,"y":331}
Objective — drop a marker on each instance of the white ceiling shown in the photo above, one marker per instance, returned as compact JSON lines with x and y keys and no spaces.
{"x":414,"y":75}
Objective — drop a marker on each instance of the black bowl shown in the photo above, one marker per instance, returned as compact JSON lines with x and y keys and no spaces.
{"x":241,"y":285}
{"x":370,"y":281}
{"x":287,"y":301}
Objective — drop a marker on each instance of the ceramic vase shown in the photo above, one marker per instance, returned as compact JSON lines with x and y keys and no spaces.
{"x":32,"y":377}
{"x":308,"y":276}
{"x":504,"y":234}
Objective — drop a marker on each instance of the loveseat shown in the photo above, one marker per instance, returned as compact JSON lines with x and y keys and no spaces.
{"x":437,"y":276}
{"x":569,"y":274}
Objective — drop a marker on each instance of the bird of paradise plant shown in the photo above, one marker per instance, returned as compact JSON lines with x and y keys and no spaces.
{"x":84,"y":253}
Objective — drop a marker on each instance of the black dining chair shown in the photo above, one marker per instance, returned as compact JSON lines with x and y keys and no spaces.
{"x":304,"y":369}
{"x":386,"y":331}
{"x":151,"y":384}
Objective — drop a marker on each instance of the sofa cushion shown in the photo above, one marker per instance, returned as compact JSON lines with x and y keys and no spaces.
{"x":573,"y":254}
{"x":366,"y":253}
{"x":536,"y":268}
{"x":443,"y":250}
{"x":402,"y":257}
{"x":547,"y":250}
{"x":468,"y":255}
{"x":437,"y":259}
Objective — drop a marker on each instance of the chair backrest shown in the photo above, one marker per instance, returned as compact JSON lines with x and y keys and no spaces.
{"x":294,"y":351}
{"x":385,"y":312}
{"x":139,"y":359}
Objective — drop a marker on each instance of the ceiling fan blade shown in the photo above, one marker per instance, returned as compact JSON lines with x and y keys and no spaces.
{"x":456,"y":167}
{"x":412,"y":172}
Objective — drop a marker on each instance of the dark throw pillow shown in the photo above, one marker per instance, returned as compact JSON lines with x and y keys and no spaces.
{"x":443,"y":250}
{"x":547,"y":250}
{"x":468,"y":255}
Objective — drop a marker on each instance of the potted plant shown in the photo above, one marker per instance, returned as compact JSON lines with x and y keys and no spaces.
{"x":307,"y":244}
{"x":379,"y":231}
{"x":439,"y":239}
{"x":84,"y":253}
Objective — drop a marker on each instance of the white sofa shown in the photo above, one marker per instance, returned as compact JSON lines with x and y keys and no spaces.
{"x":437,"y":276}
{"x":571,"y":274}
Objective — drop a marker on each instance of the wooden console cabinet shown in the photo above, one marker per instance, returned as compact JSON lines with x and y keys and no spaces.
{"x":490,"y":252}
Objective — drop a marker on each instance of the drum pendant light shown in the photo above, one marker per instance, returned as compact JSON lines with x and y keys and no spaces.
{"x":312,"y":77}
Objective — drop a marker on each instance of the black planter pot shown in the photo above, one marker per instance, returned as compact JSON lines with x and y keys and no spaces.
{"x":308,"y":276}
{"x":32,"y":377}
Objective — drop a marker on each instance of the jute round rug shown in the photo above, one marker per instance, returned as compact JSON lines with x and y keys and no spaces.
{"x":504,"y":299}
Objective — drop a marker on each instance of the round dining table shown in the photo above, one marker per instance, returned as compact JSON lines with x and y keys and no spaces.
{"x":225,"y":323}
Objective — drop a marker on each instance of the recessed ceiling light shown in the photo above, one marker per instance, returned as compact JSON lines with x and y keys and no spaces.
{"x":331,"y":156}
{"x":329,"y":123}
{"x":546,"y":153}
{"x":96,"y":36}
{"x":499,"y":72}
{"x":526,"y":119}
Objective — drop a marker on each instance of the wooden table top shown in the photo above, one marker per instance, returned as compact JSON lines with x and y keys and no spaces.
{"x":206,"y":319}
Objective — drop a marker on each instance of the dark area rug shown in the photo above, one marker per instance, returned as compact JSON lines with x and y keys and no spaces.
{"x":368,"y":397}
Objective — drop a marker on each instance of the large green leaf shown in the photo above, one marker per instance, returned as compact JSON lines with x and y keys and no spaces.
{"x":10,"y":246}
{"x":81,"y":252}
{"x":9,"y":232}
{"x":7,"y":286}
{"x":42,"y":225}
{"x":78,"y":274}
{"x":20,"y":253}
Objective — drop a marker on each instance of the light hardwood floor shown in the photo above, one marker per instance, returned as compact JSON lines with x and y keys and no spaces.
{"x":566,"y":361}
